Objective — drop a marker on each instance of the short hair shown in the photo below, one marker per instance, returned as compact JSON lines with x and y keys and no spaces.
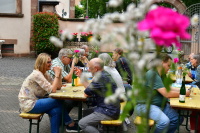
{"x":84,"y":47}
{"x":97,"y":62}
{"x":197,"y":57}
{"x":41,"y":61}
{"x":119,"y":51}
{"x":107,"y":60}
{"x":64,"y":52}
{"x":82,"y":52}
{"x":164,"y":57}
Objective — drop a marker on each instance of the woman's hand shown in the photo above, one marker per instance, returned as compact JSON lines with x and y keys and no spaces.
{"x":57,"y":70}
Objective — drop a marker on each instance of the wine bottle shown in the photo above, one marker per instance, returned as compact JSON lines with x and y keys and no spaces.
{"x":182,"y":92}
{"x":73,"y":79}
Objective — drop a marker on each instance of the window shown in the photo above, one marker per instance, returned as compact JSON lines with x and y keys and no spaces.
{"x":11,"y":8}
{"x":8,"y":6}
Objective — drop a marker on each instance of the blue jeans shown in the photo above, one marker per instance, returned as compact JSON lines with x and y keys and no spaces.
{"x":53,"y":108}
{"x":166,"y":120}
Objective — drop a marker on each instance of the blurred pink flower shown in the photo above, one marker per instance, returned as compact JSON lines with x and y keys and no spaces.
{"x":176,"y":60}
{"x":165,"y":26}
{"x":76,"y":51}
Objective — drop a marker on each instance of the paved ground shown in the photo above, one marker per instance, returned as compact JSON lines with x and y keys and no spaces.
{"x":12,"y":73}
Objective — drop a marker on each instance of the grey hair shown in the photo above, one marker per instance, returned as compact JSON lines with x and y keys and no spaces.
{"x":107,"y":60}
{"x":197,"y":57}
{"x":84,"y":47}
{"x":82,"y":52}
{"x":64,"y":52}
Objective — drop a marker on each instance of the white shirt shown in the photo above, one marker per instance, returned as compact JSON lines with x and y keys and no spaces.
{"x":116,"y":77}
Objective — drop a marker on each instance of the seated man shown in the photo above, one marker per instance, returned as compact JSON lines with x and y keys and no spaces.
{"x":98,"y":87}
{"x":63,"y":60}
{"x":165,"y":117}
{"x":192,"y":72}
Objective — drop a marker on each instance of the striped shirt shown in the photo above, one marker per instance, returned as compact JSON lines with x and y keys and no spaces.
{"x":58,"y":62}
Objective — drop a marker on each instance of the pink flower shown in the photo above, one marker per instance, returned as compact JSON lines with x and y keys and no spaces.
{"x":97,"y":51}
{"x":76,"y":51}
{"x":165,"y":25}
{"x":176,"y":60}
{"x":74,"y":34}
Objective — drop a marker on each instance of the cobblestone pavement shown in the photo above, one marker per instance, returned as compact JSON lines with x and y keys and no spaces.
{"x":12,"y":73}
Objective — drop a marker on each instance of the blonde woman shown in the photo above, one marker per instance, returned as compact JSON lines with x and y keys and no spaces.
{"x":36,"y":86}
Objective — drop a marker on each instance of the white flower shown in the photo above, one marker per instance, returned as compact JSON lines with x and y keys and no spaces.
{"x":129,"y":93}
{"x":110,"y":99}
{"x":134,"y":56}
{"x":130,"y":7}
{"x":56,"y":41}
{"x":84,"y":77}
{"x":153,"y":7}
{"x":123,"y":97}
{"x":194,"y":20}
{"x":115,"y":3}
{"x":66,"y":34}
{"x":141,"y":64}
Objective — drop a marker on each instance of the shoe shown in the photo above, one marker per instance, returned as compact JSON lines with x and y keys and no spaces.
{"x":73,"y":129}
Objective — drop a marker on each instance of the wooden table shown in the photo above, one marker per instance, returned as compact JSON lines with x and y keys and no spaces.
{"x":191,"y":104}
{"x":187,"y":78}
{"x":68,"y":92}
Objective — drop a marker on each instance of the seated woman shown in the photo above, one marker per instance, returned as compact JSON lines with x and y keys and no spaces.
{"x":109,"y":66}
{"x":123,"y":67}
{"x":36,"y":86}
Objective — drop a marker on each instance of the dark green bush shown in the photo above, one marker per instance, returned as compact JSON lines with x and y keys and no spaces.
{"x":45,"y":25}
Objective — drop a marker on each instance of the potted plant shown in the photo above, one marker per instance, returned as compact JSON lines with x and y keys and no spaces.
{"x":85,"y":36}
{"x":74,"y":39}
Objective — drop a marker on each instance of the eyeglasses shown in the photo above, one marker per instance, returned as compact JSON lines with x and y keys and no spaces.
{"x":69,"y":57}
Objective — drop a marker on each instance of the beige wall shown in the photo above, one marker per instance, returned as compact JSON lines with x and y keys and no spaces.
{"x":18,"y":28}
{"x":72,"y":27}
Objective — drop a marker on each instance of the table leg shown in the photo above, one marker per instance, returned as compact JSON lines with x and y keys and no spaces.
{"x":62,"y":117}
{"x":197,"y":123}
{"x":79,"y":113}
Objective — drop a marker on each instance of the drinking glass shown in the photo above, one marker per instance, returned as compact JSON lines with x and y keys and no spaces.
{"x":191,"y":92}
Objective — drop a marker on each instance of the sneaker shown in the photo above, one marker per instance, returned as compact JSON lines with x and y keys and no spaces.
{"x":73,"y":129}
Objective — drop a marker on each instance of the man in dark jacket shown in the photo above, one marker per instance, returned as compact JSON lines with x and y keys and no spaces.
{"x":101,"y":83}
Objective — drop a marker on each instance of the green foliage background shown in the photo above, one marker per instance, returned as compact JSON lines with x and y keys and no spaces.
{"x":99,"y":8}
{"x":79,"y":12}
{"x":45,"y":25}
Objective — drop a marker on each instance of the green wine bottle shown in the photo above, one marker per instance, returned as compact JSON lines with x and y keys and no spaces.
{"x":182,"y":92}
{"x":73,"y":77}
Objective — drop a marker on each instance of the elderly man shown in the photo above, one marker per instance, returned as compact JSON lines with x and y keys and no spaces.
{"x":86,"y":48}
{"x":63,"y":60}
{"x":160,"y":111}
{"x":100,"y":84}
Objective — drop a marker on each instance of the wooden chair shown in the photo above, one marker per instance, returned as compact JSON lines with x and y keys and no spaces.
{"x":31,"y":117}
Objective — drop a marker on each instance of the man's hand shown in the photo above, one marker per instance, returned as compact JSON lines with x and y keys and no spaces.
{"x":189,"y":74}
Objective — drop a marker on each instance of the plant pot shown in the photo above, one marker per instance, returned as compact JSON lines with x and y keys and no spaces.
{"x":83,"y":40}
